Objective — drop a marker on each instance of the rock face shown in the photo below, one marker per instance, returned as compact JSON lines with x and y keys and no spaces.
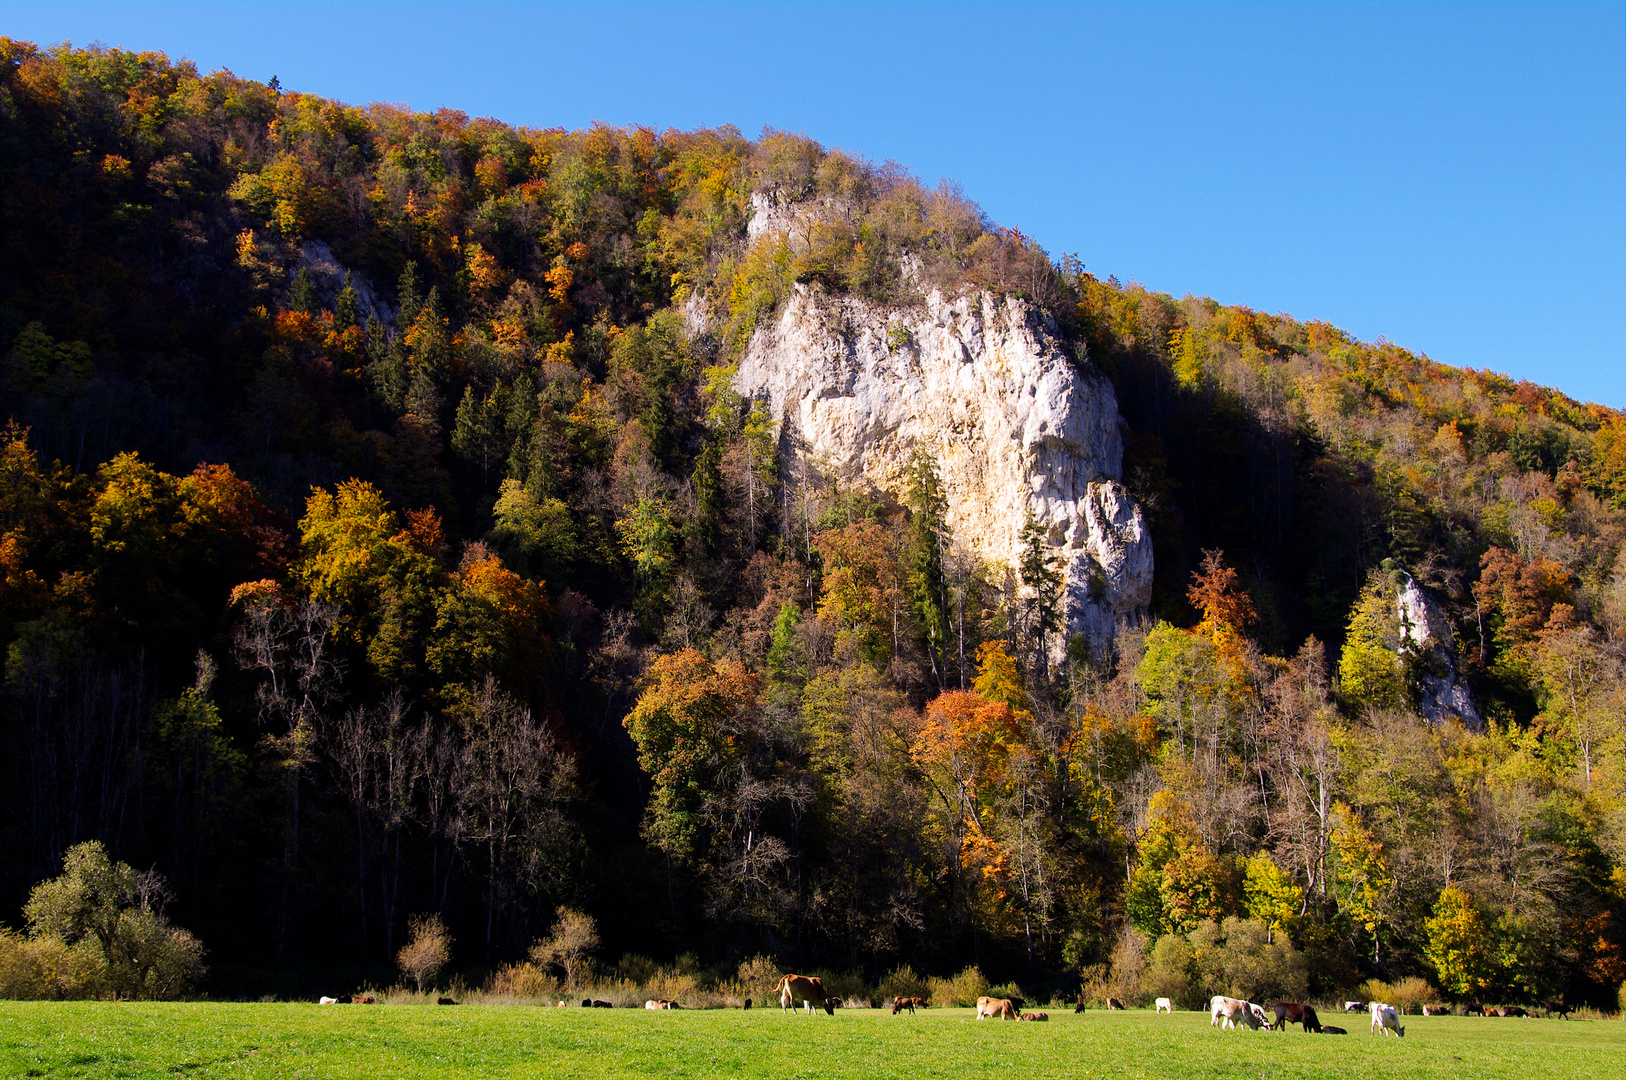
{"x":1442,"y":690}
{"x":985,"y":387}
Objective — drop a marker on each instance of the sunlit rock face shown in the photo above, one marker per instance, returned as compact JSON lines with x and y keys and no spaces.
{"x":984,"y":386}
{"x":1442,"y":691}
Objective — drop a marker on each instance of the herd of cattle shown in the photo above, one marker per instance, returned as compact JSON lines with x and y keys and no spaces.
{"x":1223,"y":1012}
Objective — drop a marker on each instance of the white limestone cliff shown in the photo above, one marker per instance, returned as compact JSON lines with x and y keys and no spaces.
{"x":985,"y":387}
{"x":1442,"y":691}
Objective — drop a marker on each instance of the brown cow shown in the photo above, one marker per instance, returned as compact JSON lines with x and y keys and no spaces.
{"x":1293,"y":1012}
{"x":901,"y":1003}
{"x":1037,"y":1017}
{"x":1081,"y":1006}
{"x":1000,"y":1007}
{"x":1515,"y":1010}
{"x":807,"y":989}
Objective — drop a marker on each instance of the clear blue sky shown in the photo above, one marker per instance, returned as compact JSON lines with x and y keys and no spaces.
{"x":1450,"y":176}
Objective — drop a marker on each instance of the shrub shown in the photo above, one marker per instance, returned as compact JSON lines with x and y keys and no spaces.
{"x":427,"y":951}
{"x":1007,"y":990}
{"x":1170,"y":973}
{"x":1128,"y":974}
{"x":111,"y":919}
{"x":902,"y":981}
{"x":636,"y":968}
{"x":673,"y":985}
{"x":964,"y":989}
{"x":1237,"y":958}
{"x":523,"y":980}
{"x":33,"y":969}
{"x":569,"y":946}
{"x":1409,"y":994}
{"x":758,"y":976}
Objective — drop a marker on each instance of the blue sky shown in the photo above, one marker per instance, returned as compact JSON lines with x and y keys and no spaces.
{"x":1449,"y":176}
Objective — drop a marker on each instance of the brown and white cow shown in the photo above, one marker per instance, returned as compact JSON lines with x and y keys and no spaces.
{"x":1436,"y":1010}
{"x":991,"y":1007}
{"x":1037,"y":1017}
{"x":1224,"y":1012}
{"x":1293,"y":1012}
{"x":807,"y":989}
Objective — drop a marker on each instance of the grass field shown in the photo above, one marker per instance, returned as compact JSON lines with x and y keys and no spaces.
{"x":353,"y":1042}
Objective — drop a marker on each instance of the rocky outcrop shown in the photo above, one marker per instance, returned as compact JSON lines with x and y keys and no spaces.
{"x":327,"y":272}
{"x":1442,"y":691}
{"x":983,"y":385}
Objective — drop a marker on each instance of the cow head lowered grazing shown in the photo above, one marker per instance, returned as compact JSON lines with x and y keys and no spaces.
{"x":1224,"y":1012}
{"x":1385,"y":1020}
{"x":807,"y":989}
{"x":1292,"y":1012}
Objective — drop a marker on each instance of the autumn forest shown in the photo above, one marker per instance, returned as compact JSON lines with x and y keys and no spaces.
{"x":382,"y":534}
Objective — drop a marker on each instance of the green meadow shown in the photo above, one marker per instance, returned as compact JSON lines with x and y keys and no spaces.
{"x":291,"y":1041}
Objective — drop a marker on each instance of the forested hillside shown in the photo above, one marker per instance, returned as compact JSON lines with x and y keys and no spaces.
{"x":382,"y":534}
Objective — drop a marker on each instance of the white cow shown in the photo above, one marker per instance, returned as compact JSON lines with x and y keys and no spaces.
{"x":1164,"y":1005}
{"x":1223,"y":1013}
{"x":1385,"y":1019}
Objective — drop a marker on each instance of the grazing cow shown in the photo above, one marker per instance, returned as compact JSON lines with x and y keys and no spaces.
{"x":1081,"y":1006}
{"x":991,"y":1007}
{"x":1224,"y":1012}
{"x":444,"y":1001}
{"x":1436,"y":1010}
{"x":597,"y":1004}
{"x":1328,"y":1029}
{"x":1558,"y":1008}
{"x":1354,"y":1006}
{"x":1515,"y":1010}
{"x":901,"y":1003}
{"x":807,"y":989}
{"x":1114,"y":1003}
{"x":327,"y":1001}
{"x":1293,"y":1012}
{"x":367,"y":1000}
{"x":1385,"y":1020}
{"x":1473,"y":1008}
{"x":747,"y":1003}
{"x":1164,"y":1005}
{"x":652,"y":1005}
{"x":587,"y":1003}
{"x":1037,"y":1017}
{"x":835,"y":1003}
